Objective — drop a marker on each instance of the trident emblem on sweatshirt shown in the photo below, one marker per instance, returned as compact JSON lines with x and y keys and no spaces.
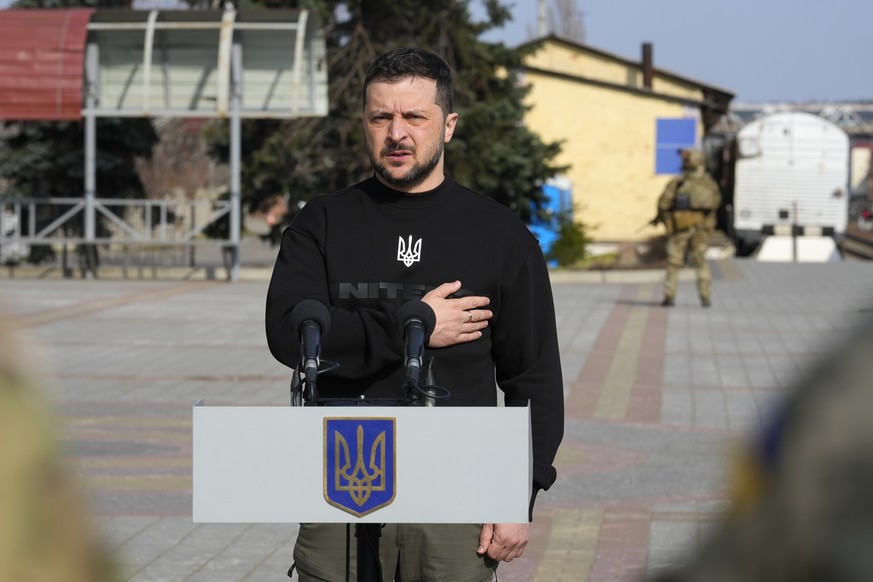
{"x":359,"y":463}
{"x":407,"y":252}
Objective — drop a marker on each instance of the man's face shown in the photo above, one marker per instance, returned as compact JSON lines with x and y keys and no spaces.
{"x":690,"y":161}
{"x":686,"y":163}
{"x":406,"y":133}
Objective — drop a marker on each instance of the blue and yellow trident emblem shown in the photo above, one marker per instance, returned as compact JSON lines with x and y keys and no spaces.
{"x":359,"y":463}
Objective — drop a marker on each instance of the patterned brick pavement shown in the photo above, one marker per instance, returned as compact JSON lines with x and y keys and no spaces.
{"x":656,"y":401}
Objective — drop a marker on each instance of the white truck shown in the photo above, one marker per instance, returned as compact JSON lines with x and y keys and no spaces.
{"x":791,"y":179}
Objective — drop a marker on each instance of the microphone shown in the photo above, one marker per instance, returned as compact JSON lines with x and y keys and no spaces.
{"x":311,"y":319}
{"x":416,"y":321}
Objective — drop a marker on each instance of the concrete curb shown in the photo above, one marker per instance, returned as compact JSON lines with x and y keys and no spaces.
{"x":613,"y":277}
{"x":262,"y":273}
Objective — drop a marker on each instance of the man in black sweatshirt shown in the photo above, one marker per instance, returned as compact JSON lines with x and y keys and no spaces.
{"x":410,"y":233}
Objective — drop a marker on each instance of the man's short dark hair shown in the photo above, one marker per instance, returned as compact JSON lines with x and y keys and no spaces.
{"x":400,"y":63}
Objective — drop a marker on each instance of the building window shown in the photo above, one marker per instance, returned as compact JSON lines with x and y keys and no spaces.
{"x":672,"y":135}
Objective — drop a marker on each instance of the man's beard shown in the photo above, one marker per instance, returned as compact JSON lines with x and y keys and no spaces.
{"x":415,"y":176}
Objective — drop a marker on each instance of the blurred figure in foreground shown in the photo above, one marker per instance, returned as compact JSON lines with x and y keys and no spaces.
{"x":44,"y":534}
{"x":802,"y":507}
{"x":687,"y":208}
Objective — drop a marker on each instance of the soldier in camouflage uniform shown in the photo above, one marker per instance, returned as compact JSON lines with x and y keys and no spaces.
{"x":687,"y":208}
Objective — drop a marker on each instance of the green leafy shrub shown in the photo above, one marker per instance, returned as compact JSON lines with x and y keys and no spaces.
{"x":570,"y":248}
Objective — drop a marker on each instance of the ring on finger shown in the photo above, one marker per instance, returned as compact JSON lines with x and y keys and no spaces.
{"x":470,"y":315}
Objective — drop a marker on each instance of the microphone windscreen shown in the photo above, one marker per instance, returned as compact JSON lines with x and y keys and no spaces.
{"x":420,"y":310}
{"x":310,"y":310}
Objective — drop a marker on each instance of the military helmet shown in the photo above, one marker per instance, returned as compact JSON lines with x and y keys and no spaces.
{"x":691,"y":158}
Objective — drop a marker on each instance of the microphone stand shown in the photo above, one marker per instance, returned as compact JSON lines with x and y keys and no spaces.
{"x":429,"y":382}
{"x":368,"y":563}
{"x":304,"y":392}
{"x":368,"y":534}
{"x":304,"y":383}
{"x":310,"y":387}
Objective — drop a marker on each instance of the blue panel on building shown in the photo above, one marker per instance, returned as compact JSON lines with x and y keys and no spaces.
{"x":671,"y":135}
{"x":546,"y":230}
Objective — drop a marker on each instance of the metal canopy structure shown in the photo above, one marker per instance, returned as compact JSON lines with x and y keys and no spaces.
{"x":163,"y":63}
{"x":188,"y":63}
{"x":184,"y":63}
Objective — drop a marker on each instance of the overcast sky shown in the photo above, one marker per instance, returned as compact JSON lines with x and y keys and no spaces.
{"x":760,"y":50}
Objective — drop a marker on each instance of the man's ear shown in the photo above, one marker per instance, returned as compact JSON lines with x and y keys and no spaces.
{"x":451,"y":122}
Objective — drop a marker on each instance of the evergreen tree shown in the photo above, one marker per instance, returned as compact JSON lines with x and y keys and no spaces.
{"x":492,"y":152}
{"x":46,"y":158}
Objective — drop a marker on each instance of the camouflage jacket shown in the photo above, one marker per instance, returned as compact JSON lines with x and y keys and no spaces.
{"x":689,"y":201}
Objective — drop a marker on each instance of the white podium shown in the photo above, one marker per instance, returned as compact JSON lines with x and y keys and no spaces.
{"x":361,"y":464}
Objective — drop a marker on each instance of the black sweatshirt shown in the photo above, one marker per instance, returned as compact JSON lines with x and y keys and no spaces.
{"x":367,"y":249}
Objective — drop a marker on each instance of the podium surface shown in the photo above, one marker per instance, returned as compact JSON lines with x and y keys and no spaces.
{"x":269,"y":464}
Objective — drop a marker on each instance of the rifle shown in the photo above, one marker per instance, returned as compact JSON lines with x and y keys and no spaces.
{"x":654,"y":222}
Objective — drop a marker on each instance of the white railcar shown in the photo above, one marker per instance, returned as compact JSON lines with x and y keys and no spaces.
{"x":792,"y":177}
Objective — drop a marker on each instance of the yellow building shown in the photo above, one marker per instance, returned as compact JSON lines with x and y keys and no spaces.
{"x":621,"y":123}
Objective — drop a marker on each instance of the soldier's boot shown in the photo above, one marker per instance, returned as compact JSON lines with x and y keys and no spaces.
{"x":668,"y":302}
{"x":704,"y":289}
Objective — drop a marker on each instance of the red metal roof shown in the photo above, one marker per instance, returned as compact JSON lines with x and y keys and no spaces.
{"x":42,"y":54}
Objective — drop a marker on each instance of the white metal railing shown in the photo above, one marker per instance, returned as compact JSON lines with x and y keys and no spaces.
{"x":62,"y":220}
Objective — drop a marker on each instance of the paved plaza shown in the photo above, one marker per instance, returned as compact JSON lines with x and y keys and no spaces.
{"x":656,"y":402}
